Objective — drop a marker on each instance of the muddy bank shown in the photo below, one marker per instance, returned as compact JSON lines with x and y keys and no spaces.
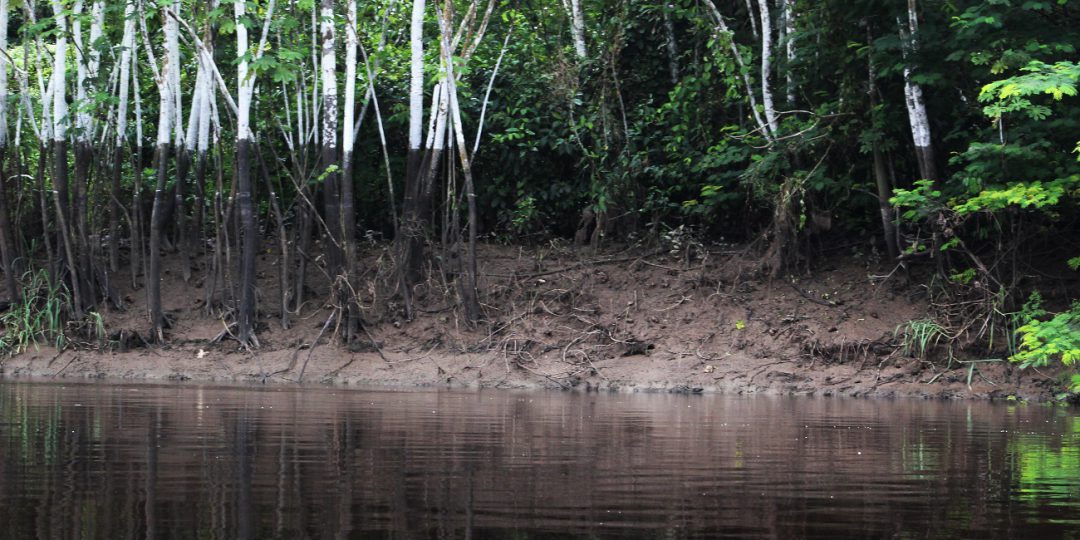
{"x":652,"y":322}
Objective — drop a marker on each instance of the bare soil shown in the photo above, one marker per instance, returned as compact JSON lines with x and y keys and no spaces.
{"x":638,"y":321}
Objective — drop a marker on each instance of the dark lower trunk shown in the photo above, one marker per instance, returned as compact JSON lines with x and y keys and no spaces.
{"x":884,"y":191}
{"x":60,"y":175}
{"x":332,"y":208}
{"x":927,"y":163}
{"x":138,"y":261}
{"x":470,"y":290}
{"x":411,"y":232}
{"x":348,"y":238}
{"x":153,"y":280}
{"x":200,"y":203}
{"x":84,"y":158}
{"x":114,"y":208}
{"x":6,"y":250}
{"x":248,"y":245}
{"x":283,"y":242}
{"x":181,"y":238}
{"x":43,"y":204}
{"x":303,"y":248}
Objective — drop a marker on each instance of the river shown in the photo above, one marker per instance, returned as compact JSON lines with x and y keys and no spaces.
{"x":94,"y":460}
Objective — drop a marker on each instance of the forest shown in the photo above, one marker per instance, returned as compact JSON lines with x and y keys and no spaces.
{"x":357,"y":161}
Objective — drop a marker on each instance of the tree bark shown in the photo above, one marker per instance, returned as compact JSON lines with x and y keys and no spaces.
{"x":913,"y":97}
{"x":166,"y":117}
{"x":766,"y":60}
{"x":672,"y":44}
{"x":6,"y":248}
{"x":577,"y":29}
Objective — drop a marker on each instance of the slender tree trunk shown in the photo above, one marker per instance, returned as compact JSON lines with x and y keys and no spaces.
{"x":753,"y":22}
{"x":411,"y":231}
{"x":913,"y":97}
{"x":577,"y":29}
{"x":166,"y":117}
{"x":789,"y":49}
{"x":766,"y":59}
{"x":153,"y":279}
{"x":44,"y":150}
{"x":329,"y":150}
{"x":6,"y":249}
{"x":60,"y":111}
{"x":244,"y":202}
{"x":283,"y":242}
{"x":348,"y":217}
{"x":7,"y":253}
{"x":881,"y":173}
{"x":467,"y":286}
{"x":672,"y":44}
{"x":762,"y":126}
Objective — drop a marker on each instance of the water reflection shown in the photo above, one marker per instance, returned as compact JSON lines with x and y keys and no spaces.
{"x":99,"y":461}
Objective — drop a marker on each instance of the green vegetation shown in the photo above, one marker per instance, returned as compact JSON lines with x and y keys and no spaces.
{"x":941,"y":136}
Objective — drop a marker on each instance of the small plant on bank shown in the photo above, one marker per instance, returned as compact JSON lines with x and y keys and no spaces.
{"x":920,"y":336}
{"x":39,"y":316}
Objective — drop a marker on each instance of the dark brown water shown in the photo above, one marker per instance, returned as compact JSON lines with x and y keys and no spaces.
{"x":106,"y":461}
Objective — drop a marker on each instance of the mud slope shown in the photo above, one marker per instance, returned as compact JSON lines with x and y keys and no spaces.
{"x":625,"y":320}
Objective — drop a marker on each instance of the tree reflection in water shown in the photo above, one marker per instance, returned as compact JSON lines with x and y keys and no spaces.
{"x":101,"y":461}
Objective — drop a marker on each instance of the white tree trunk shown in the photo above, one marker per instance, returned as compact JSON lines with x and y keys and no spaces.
{"x":172,"y":57}
{"x":750,"y":94}
{"x":328,"y":70}
{"x":577,"y":28}
{"x":789,"y":46}
{"x":672,"y":45}
{"x":127,"y":43}
{"x":59,"y":81}
{"x":753,"y":22}
{"x":166,"y":114}
{"x":766,"y":61}
{"x":82,"y":116}
{"x":913,"y":97}
{"x":416,"y":83}
{"x":350,"y":80}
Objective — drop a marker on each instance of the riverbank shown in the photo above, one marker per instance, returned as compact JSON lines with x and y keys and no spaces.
{"x":625,"y":321}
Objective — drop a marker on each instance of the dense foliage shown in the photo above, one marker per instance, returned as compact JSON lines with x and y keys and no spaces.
{"x":941,"y":135}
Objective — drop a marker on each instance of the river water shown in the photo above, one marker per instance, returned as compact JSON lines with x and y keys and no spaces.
{"x":184,"y":461}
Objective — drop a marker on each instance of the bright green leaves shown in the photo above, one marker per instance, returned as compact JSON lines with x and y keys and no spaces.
{"x":1034,"y":195}
{"x":1042,"y":342}
{"x":918,"y":202}
{"x":1013,"y":94}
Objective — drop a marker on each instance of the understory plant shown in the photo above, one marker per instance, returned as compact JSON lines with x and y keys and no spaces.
{"x":39,"y":316}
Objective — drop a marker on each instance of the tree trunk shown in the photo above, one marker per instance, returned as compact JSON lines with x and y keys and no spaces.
{"x":789,"y":48}
{"x":913,"y":97}
{"x":881,"y":173}
{"x":166,"y":117}
{"x":329,"y":150}
{"x":153,"y":279}
{"x":766,"y":59}
{"x":6,"y":249}
{"x":577,"y":29}
{"x":467,"y":286}
{"x":348,"y":217}
{"x":249,"y":243}
{"x":672,"y":45}
{"x":411,"y":231}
